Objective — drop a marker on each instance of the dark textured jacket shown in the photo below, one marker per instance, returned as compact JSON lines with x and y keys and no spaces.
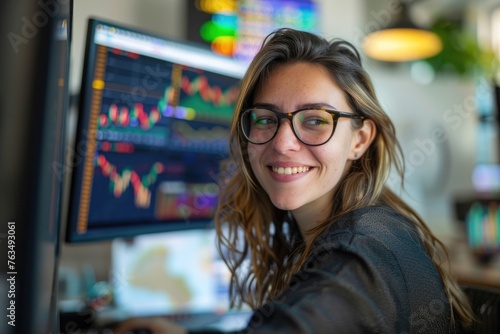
{"x":368,"y":273}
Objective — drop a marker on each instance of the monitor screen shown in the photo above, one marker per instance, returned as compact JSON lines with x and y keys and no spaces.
{"x":481,"y":216}
{"x":483,"y":226}
{"x":153,"y":128}
{"x":172,"y":286}
{"x":238,"y":27}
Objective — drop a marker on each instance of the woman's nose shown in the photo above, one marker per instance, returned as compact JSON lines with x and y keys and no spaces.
{"x":285,"y":139}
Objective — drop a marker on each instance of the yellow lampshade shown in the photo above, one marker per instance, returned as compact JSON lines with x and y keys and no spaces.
{"x":402,"y":44}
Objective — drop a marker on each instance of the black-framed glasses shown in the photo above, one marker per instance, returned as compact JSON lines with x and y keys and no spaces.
{"x":312,"y":126}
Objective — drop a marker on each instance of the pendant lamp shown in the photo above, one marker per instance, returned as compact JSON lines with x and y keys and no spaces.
{"x":402,"y":41}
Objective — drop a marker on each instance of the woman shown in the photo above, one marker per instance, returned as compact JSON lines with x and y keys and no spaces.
{"x":315,"y":240}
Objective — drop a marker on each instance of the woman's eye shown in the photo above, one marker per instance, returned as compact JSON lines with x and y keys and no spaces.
{"x":314,"y":121}
{"x":264,"y":121}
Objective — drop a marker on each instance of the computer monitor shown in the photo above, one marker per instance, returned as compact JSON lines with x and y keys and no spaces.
{"x":171,"y":286}
{"x":34,"y":103}
{"x":153,"y":129}
{"x":187,"y":282}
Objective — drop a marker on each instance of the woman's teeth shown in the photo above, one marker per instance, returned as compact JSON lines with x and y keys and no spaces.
{"x":290,"y":170}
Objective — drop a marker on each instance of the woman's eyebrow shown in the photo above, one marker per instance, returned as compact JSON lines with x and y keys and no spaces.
{"x":319,"y":105}
{"x":266,"y":106}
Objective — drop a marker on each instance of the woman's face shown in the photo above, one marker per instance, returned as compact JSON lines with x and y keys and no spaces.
{"x":296,"y":176}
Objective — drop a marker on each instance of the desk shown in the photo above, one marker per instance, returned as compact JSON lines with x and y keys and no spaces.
{"x":469,"y":270}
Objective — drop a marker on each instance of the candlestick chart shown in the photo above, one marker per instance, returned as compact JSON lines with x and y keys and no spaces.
{"x":161,"y":131}
{"x":144,"y":185}
{"x":164,"y":104}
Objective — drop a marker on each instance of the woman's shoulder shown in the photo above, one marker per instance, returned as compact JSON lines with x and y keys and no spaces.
{"x":372,"y":216}
{"x":374,"y":256}
{"x":379,"y":235}
{"x":389,"y":245}
{"x":380,"y":223}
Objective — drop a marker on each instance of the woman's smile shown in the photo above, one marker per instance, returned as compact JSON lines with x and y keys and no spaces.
{"x":289,"y":170}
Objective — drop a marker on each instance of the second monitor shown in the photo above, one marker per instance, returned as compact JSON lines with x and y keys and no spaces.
{"x":152,"y":131}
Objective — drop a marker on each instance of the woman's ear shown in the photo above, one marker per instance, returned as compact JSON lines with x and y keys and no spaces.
{"x":362,"y":139}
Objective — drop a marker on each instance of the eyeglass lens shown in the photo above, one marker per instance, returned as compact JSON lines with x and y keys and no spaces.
{"x":311,"y":126}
